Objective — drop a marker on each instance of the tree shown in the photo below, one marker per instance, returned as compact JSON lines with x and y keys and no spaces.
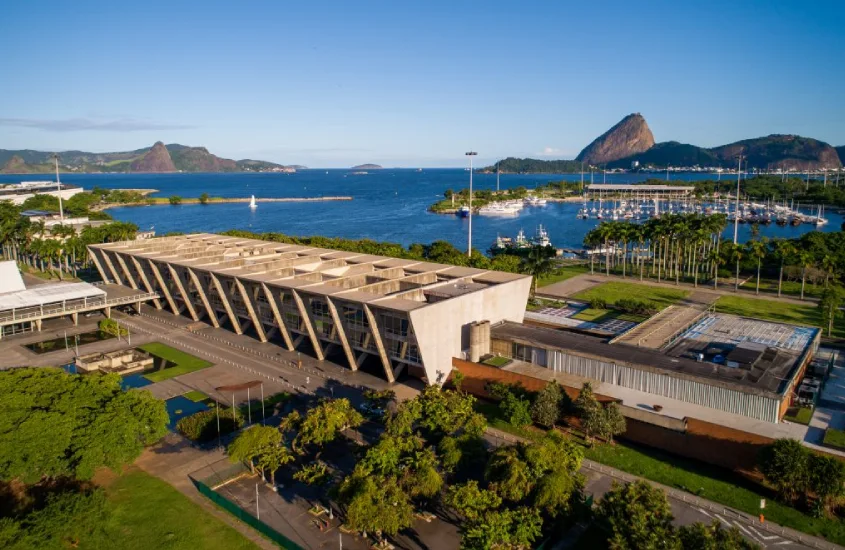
{"x":204,"y":198}
{"x":324,"y":422}
{"x":700,"y":536}
{"x":826,"y":478}
{"x":806,"y":260}
{"x":506,"y":262}
{"x":457,"y":379}
{"x":504,"y":529}
{"x":272,"y":458}
{"x":537,"y":264}
{"x":470,"y":501}
{"x":784,"y":464}
{"x":175,"y":200}
{"x":783,"y":251}
{"x":57,"y":424}
{"x":638,"y":517}
{"x":829,"y":304}
{"x":589,"y":410}
{"x":376,"y":505}
{"x":509,"y":474}
{"x":252,"y":443}
{"x":613,"y":422}
{"x":757,"y":250}
{"x":516,"y":409}
{"x":546,"y":409}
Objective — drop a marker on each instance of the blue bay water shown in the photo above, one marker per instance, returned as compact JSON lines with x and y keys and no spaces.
{"x":388,"y":205}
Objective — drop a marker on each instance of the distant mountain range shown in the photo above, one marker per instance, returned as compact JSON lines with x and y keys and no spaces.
{"x":158,"y":158}
{"x":630,"y":143}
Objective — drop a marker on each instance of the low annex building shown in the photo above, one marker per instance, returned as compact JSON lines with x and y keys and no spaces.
{"x":405,"y":313}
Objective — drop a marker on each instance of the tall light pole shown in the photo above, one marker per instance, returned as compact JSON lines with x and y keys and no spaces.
{"x":470,"y":154}
{"x":739,"y":158}
{"x":59,"y":189}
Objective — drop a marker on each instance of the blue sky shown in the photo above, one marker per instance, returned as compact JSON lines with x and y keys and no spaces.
{"x":414,"y":83}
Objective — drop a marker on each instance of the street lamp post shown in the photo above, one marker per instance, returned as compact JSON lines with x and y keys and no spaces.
{"x":59,"y":188}
{"x":470,"y":154}
{"x":736,"y":206}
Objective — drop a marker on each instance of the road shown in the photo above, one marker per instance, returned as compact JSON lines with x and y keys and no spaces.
{"x":325,"y":378}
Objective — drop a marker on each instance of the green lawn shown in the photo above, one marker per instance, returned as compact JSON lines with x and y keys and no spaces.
{"x":602,"y":315}
{"x":612,"y":291}
{"x":773,"y":310}
{"x":793,"y":288}
{"x":710,"y":482}
{"x":562,"y":274}
{"x":148,"y":513}
{"x":834,"y":438}
{"x":800,"y":415}
{"x":183,"y":363}
{"x":196,"y":396}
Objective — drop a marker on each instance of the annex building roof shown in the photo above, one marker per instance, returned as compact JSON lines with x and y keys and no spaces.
{"x":48,"y":294}
{"x":10,"y":277}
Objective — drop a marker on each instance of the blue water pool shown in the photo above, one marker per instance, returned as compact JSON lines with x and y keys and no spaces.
{"x":136,"y":380}
{"x":180,"y":407}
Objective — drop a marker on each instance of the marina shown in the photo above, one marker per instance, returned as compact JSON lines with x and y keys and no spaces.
{"x":390,"y":205}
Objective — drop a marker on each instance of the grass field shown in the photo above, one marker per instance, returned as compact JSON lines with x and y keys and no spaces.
{"x":602,"y":315}
{"x":783,"y":312}
{"x":148,"y":513}
{"x":800,"y":415}
{"x":183,"y":363}
{"x":710,"y":482}
{"x":562,"y":274}
{"x":834,"y":438}
{"x":613,"y":291}
{"x":791,"y":288}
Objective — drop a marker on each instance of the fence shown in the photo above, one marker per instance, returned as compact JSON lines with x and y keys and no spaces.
{"x":242,"y":515}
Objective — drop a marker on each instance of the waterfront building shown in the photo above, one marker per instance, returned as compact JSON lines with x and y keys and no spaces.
{"x":19,"y":192}
{"x":402,"y":314}
{"x":637,"y":191}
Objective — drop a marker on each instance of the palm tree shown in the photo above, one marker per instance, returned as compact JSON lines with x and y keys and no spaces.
{"x":783,"y":250}
{"x":757,"y":249}
{"x":805,"y":259}
{"x":537,"y":264}
{"x":592,"y":240}
{"x":828,"y":265}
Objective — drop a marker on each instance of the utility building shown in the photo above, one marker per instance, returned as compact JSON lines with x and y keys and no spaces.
{"x":404,"y":314}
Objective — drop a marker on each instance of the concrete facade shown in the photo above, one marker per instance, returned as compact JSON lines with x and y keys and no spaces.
{"x":400,"y":313}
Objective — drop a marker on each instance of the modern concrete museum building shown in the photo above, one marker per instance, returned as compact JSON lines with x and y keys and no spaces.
{"x":404,"y":313}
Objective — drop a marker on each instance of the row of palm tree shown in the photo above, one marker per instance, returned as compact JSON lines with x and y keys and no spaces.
{"x":690,"y":246}
{"x":60,"y":248}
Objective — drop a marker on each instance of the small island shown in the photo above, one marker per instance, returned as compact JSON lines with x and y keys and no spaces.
{"x":367,"y":167}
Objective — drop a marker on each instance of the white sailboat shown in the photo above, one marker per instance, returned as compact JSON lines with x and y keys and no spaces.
{"x":252,"y":203}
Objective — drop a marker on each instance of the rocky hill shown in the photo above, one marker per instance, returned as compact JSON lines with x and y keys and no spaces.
{"x":840,"y":150}
{"x":367,"y":167}
{"x":156,"y":159}
{"x":670,"y":153}
{"x":629,"y":136}
{"x":159,"y":158}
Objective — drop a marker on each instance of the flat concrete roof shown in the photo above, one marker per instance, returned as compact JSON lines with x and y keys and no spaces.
{"x":394,"y":283}
{"x":772,"y":381}
{"x":48,"y":294}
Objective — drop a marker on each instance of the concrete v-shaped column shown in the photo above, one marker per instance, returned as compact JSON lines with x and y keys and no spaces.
{"x":309,"y":326}
{"x":126,"y":271}
{"x":97,"y":264}
{"x":164,"y":289}
{"x":212,"y":315}
{"x":145,"y":280}
{"x":225,"y":297}
{"x":185,"y":296}
{"x":111,"y":267}
{"x":341,"y":333}
{"x":385,"y":361}
{"x":251,"y":310}
{"x":283,"y":329}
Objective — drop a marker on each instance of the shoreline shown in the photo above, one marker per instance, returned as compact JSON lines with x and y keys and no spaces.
{"x":165,"y":201}
{"x":452,"y":211}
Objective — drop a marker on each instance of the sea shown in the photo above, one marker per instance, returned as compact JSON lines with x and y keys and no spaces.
{"x":388,"y":205}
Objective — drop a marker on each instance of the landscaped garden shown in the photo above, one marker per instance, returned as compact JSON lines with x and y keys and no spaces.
{"x":175,"y":362}
{"x":562,"y":274}
{"x":799,"y":415}
{"x":612,"y":292}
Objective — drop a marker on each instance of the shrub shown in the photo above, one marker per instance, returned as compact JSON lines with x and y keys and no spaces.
{"x":638,"y":307}
{"x":110,"y":326}
{"x":175,"y":199}
{"x":202,"y":426}
{"x":316,"y":473}
{"x":598,"y":303}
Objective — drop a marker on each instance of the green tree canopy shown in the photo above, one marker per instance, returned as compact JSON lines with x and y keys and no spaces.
{"x":638,"y":517}
{"x":57,"y":424}
{"x":785,"y":463}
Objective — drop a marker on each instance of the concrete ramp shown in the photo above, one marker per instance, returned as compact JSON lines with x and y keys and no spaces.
{"x":657,"y":331}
